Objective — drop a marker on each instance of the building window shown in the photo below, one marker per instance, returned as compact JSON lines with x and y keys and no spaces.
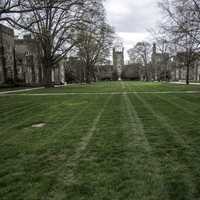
{"x":27,"y":53}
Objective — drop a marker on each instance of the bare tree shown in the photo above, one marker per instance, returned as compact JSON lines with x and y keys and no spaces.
{"x":11,"y":10}
{"x":182,"y":26}
{"x":94,"y":39}
{"x":54,"y":26}
{"x":141,"y":52}
{"x":8,"y":7}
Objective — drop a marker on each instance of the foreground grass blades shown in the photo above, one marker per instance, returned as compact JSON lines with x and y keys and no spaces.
{"x":113,"y":146}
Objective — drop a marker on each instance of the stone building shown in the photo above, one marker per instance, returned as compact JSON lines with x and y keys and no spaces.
{"x":7,"y":70}
{"x":29,"y":63}
{"x":28,"y":60}
{"x":174,"y":69}
{"x":118,"y":60}
{"x":179,"y":69}
{"x":21,"y":60}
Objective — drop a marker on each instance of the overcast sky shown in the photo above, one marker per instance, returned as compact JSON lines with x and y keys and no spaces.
{"x":132,"y":18}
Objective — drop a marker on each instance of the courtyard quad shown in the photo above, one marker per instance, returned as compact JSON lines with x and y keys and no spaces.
{"x":103,"y":141}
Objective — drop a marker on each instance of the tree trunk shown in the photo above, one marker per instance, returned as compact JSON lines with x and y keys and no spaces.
{"x":93,"y":75}
{"x":40,"y":74}
{"x":188,"y":59}
{"x":88,"y":72}
{"x":188,"y":74}
{"x":3,"y":60}
{"x":146,"y":73}
{"x":47,"y":74}
{"x":47,"y":77}
{"x":15,"y":67}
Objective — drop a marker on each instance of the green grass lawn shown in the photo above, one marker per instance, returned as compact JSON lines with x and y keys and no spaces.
{"x":113,"y":146}
{"x":107,"y":87}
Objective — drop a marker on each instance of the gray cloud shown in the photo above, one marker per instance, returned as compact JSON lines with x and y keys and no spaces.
{"x":132,"y":15}
{"x":131,"y":19}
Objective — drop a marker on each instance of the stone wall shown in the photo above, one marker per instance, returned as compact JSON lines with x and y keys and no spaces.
{"x":28,"y":61}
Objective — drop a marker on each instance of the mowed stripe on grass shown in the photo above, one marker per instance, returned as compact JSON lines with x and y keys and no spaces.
{"x":175,"y":152}
{"x":129,"y":143}
{"x":143,"y":166}
{"x":117,"y":163}
{"x":38,"y":153}
{"x":66,"y":176}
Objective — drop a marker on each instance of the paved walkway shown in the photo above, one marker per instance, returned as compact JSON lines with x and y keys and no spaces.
{"x":183,"y":83}
{"x":21,"y":90}
{"x":103,"y":93}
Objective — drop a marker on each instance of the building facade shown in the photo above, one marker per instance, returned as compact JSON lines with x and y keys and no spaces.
{"x":6,"y":54}
{"x":21,"y":61}
{"x":118,"y":60}
{"x":179,"y":69}
{"x":174,"y":69}
{"x":28,"y":61}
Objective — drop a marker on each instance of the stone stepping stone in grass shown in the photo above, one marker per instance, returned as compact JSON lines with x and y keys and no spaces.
{"x":39,"y":125}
